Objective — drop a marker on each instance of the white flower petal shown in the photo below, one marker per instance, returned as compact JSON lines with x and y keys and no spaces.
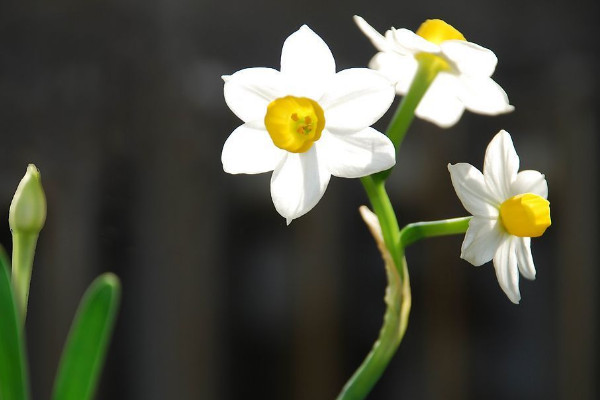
{"x":410,"y":42}
{"x":307,"y":63}
{"x":398,"y":68}
{"x":298,"y":184}
{"x":441,"y":104}
{"x":249,"y":91}
{"x":378,"y":40}
{"x":356,"y":154}
{"x":472,"y":191}
{"x":250,"y":150}
{"x":524,"y":257}
{"x":356,"y":98}
{"x":470,"y":58}
{"x":481,"y":240}
{"x":500,"y":165}
{"x":530,"y":181}
{"x":505,"y":264}
{"x":483,"y":95}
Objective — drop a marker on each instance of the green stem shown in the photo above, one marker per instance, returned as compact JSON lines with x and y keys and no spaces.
{"x":406,"y":110}
{"x":382,"y":206}
{"x":22,"y":262}
{"x":398,"y":297}
{"x":395,"y":321}
{"x":405,"y":113}
{"x":420,"y":230}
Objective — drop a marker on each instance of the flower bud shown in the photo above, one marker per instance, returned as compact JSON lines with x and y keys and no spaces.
{"x":27,"y":212}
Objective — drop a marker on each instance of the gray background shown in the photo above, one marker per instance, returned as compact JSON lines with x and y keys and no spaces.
{"x":120,"y":105}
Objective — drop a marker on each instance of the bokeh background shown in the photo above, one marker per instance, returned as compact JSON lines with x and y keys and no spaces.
{"x":120,"y":104}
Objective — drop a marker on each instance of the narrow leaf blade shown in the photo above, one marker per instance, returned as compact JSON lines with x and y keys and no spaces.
{"x":84,"y":352}
{"x":14,"y":382}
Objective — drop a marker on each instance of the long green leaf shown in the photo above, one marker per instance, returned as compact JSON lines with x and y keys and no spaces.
{"x":83,"y":356}
{"x":14,"y":382}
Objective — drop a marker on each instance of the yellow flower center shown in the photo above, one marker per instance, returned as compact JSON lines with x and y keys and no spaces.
{"x":294,"y":123}
{"x":437,"y":31}
{"x":525,"y":215}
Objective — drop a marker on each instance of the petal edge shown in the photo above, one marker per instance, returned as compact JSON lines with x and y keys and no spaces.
{"x":470,"y":187}
{"x":250,"y":150}
{"x":356,"y":154}
{"x":298,"y":184}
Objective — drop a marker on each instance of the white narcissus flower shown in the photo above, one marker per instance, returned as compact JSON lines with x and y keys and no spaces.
{"x":464,"y":81}
{"x":508,"y":207}
{"x":306,"y":123}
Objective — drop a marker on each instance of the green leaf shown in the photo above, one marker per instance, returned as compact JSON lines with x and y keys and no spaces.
{"x":84,"y":353}
{"x":14,"y":381}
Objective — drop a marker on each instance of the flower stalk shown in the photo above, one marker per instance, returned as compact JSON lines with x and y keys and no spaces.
{"x":395,"y":320}
{"x":387,"y":233}
{"x":428,"y":69}
{"x":384,"y":210}
{"x":405,"y":113}
{"x":24,"y":245}
{"x":412,"y":233}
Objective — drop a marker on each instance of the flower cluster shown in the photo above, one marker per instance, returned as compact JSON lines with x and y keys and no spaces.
{"x":305,"y":122}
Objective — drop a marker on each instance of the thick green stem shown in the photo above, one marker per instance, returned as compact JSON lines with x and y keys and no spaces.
{"x":398,"y":297}
{"x":382,"y":206}
{"x":420,"y":230}
{"x":395,"y":321}
{"x":429,"y":67}
{"x":22,"y":262}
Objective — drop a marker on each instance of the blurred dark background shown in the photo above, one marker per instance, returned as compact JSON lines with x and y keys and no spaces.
{"x":120,"y":104}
